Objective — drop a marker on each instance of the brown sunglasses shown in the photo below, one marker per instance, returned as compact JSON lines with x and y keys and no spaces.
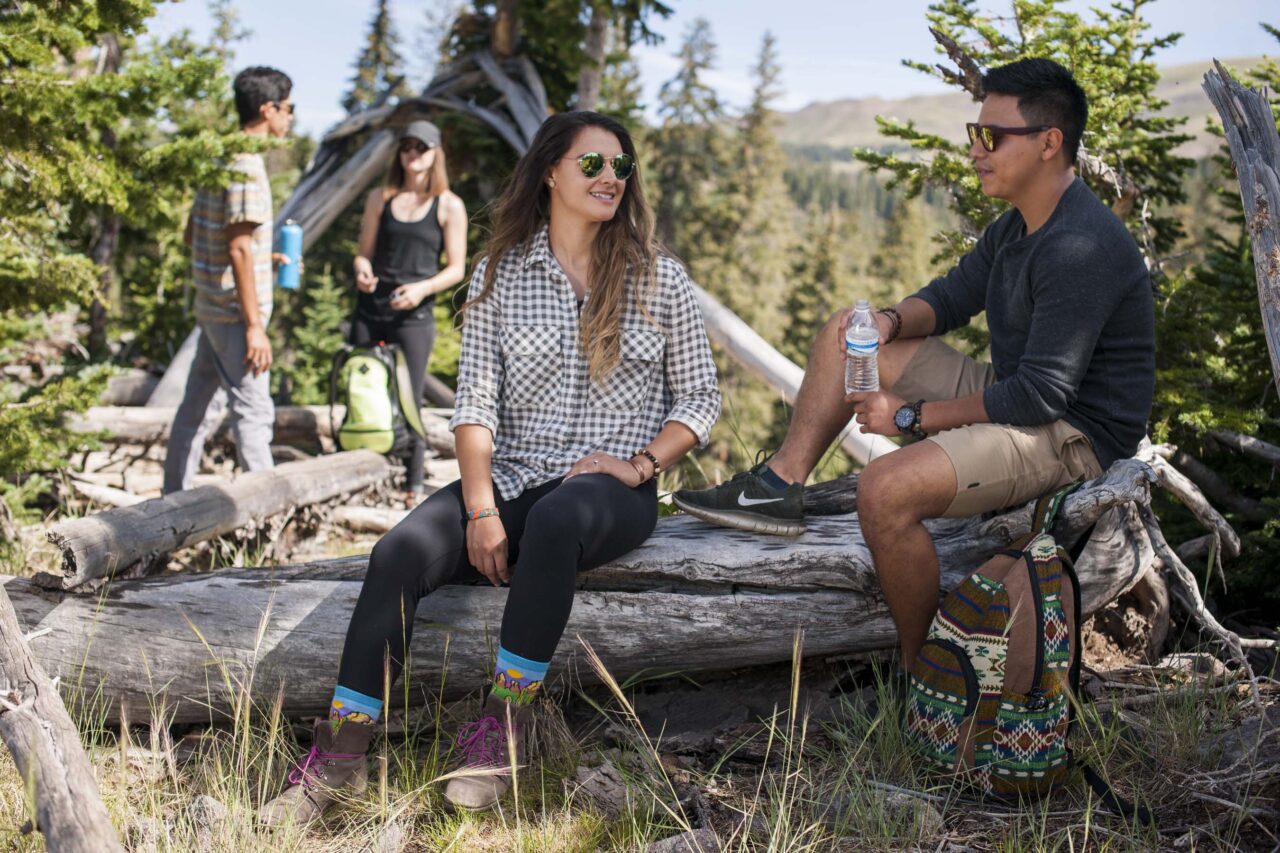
{"x":989,"y":134}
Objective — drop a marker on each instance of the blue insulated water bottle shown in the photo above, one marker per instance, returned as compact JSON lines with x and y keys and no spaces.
{"x":287,"y":275}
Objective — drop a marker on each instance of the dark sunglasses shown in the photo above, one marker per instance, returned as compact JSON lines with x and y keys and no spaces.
{"x":286,"y":107}
{"x":414,"y":145}
{"x":592,"y":164}
{"x":989,"y":134}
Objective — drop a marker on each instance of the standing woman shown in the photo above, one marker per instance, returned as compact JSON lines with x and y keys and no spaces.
{"x":407,"y":223}
{"x":585,"y":370}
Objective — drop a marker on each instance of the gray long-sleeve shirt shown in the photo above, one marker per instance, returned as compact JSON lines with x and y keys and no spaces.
{"x":1071,"y":317}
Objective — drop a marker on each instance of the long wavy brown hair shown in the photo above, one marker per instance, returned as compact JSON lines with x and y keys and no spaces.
{"x":625,"y":249}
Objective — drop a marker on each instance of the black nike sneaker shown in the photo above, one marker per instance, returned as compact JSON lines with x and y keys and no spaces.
{"x":747,"y":502}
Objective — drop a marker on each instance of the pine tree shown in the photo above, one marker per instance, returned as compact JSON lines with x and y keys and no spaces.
{"x":1111,"y":57}
{"x":78,"y":147}
{"x":620,"y":89}
{"x":815,"y":290}
{"x":690,"y":155}
{"x":900,"y":264}
{"x":379,"y":68}
{"x":316,"y":338}
{"x":751,"y":267}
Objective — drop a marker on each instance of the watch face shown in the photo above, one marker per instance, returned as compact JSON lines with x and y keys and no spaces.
{"x":904,"y":418}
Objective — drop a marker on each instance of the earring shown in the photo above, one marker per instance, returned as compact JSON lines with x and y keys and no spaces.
{"x":552,"y":183}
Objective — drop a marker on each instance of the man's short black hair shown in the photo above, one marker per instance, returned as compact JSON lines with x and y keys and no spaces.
{"x":256,"y":86}
{"x":1047,"y":94}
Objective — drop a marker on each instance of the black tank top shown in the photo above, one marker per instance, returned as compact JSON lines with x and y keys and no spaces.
{"x":404,"y":252}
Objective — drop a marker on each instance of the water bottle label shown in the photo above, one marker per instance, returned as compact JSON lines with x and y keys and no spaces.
{"x":862,"y":348}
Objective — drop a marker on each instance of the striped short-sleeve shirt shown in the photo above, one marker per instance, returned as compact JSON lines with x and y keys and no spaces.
{"x":522,"y":372}
{"x":246,"y":199}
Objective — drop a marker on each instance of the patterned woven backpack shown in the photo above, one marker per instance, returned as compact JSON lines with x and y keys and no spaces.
{"x":990,"y":689}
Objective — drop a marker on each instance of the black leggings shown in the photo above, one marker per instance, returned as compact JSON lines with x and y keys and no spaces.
{"x":415,"y":338}
{"x":553,"y":531}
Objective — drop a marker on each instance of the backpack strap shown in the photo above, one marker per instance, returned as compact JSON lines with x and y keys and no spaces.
{"x":412,"y":416}
{"x":1115,"y":802}
{"x":1046,"y":510}
{"x":339,"y":359}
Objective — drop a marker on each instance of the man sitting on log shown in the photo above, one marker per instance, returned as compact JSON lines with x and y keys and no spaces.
{"x":1068,"y":390}
{"x":229,"y":232}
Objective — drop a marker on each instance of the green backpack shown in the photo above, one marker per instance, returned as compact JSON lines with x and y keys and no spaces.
{"x":373,"y":384}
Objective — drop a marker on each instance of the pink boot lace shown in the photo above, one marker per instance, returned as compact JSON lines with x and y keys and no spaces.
{"x":483,"y":742}
{"x":302,"y":774}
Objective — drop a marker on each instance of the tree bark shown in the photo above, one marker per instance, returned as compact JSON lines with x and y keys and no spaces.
{"x":98,"y":546}
{"x":1255,"y":149}
{"x":692,"y":598}
{"x":305,"y":426}
{"x":506,"y":28}
{"x":592,"y":72}
{"x":46,"y":748}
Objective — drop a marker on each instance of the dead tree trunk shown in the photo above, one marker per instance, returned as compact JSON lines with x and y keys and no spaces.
{"x":98,"y":546}
{"x":46,"y":748}
{"x":692,"y":598}
{"x":1255,"y":149}
{"x":592,"y":73}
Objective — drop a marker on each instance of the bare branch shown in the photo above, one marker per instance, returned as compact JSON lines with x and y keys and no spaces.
{"x":969,"y":76}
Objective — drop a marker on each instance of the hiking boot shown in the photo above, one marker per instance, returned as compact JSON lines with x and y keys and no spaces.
{"x":334,"y":769}
{"x":486,"y":756}
{"x":747,"y":502}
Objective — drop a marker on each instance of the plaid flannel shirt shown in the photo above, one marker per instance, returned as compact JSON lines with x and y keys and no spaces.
{"x":246,"y":199}
{"x":522,"y":372}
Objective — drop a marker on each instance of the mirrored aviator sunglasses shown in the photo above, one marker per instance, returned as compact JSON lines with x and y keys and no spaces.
{"x":592,"y":164}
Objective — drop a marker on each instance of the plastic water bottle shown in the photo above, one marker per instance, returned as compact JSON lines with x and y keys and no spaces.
{"x":287,"y":275}
{"x":862,"y":342}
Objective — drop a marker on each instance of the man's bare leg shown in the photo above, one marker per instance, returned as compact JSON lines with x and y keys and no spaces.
{"x":820,"y":411}
{"x":896,"y":493}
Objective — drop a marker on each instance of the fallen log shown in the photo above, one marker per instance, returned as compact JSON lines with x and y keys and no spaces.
{"x":308,"y":426}
{"x":368,"y":519}
{"x":692,"y":598}
{"x":131,"y":388}
{"x":97,"y":546}
{"x":45,"y":744}
{"x":106,"y":495}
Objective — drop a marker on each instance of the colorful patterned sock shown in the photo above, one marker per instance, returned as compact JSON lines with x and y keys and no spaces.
{"x":517,"y":679}
{"x":348,"y":706}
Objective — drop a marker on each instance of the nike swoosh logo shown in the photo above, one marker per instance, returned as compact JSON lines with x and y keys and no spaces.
{"x":743,"y":500}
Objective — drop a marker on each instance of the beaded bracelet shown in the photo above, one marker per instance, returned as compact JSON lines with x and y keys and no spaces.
{"x":896,"y":318}
{"x":647,"y":455}
{"x":487,"y":512}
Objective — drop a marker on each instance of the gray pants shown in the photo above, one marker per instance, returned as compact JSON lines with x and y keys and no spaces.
{"x":219,"y":365}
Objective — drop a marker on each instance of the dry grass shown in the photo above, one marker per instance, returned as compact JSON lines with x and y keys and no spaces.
{"x":848,"y":784}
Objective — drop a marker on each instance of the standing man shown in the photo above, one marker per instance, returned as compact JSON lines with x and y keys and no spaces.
{"x":1068,"y":390}
{"x":229,"y":233}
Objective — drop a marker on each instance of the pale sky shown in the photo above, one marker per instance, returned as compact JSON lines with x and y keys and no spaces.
{"x":829,"y":49}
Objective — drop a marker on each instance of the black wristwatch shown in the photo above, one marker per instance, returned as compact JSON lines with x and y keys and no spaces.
{"x":907,"y":419}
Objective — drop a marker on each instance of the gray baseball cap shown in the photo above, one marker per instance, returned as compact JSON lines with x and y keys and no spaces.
{"x":424,"y":130}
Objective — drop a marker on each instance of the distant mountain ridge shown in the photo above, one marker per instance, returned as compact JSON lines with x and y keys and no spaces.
{"x":851,"y":122}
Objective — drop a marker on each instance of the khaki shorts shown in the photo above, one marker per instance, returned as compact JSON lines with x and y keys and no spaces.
{"x":996,"y":465}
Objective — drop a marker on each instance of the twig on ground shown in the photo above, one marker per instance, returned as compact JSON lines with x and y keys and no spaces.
{"x":1195,"y":602}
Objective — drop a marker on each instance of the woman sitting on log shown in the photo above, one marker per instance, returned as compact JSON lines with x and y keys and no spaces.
{"x":407,"y":223}
{"x":585,"y":370}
